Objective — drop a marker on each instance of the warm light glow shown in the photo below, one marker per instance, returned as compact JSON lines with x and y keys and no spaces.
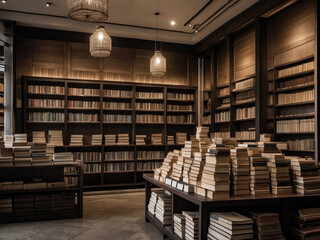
{"x":4,"y":1}
{"x":88,"y":10}
{"x":173,"y":23}
{"x":158,"y":60}
{"x":158,"y":64}
{"x":100,"y":36}
{"x":100,"y":43}
{"x":48,"y":4}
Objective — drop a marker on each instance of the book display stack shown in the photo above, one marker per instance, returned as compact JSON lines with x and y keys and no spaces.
{"x":191,"y":149}
{"x":192,"y":225}
{"x":240,"y":177}
{"x":96,"y":139}
{"x":178,"y":169}
{"x":259,"y":175}
{"x":6,"y":157}
{"x":110,"y":139}
{"x":123,"y":139}
{"x":170,"y":140}
{"x":55,"y":137}
{"x":50,"y":151}
{"x":230,"y":225}
{"x":20,"y":138}
{"x":267,"y":226}
{"x":39,"y":137}
{"x":181,"y":137}
{"x":179,"y":225}
{"x":186,"y":169}
{"x":305,"y":175}
{"x":164,"y":209}
{"x":62,"y":158}
{"x":22,"y":155}
{"x":153,"y":201}
{"x":156,"y":138}
{"x":5,"y":205}
{"x":140,"y":139}
{"x":166,"y":169}
{"x":8,"y":140}
{"x":39,"y":154}
{"x":306,"y":224}
{"x":76,"y":140}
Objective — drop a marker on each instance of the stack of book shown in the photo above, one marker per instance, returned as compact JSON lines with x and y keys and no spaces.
{"x":267,"y":225}
{"x":39,"y":137}
{"x":265,"y":137}
{"x":110,"y":139}
{"x":202,"y":132}
{"x":22,"y":155}
{"x":170,"y":140}
{"x":306,"y":224}
{"x":192,"y":225}
{"x":305,"y":174}
{"x":165,"y":170}
{"x":197,"y":163}
{"x":153,"y":201}
{"x":140,"y":139}
{"x":123,"y":139}
{"x":240,"y":177}
{"x":229,"y":225}
{"x":190,"y":147}
{"x":23,"y":203}
{"x":62,"y":158}
{"x":179,"y":225}
{"x":76,"y":140}
{"x":216,"y":172}
{"x":5,"y":205}
{"x":55,"y":137}
{"x":20,"y":138}
{"x":8,"y":140}
{"x":268,"y":147}
{"x":164,"y":209}
{"x":6,"y":157}
{"x":186,"y":169}
{"x":96,"y":139}
{"x":39,"y":154}
{"x":280,"y":173}
{"x":181,"y":138}
{"x":259,"y":175}
{"x":42,"y":202}
{"x":50,"y":151}
{"x":177,"y":169}
{"x":156,"y":138}
{"x":62,"y":201}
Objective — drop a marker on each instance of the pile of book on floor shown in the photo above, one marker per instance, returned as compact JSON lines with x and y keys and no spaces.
{"x":6,"y":157}
{"x":259,"y":175}
{"x":123,"y":139}
{"x":140,"y":139}
{"x":240,"y":177}
{"x":8,"y":140}
{"x":164,"y":209}
{"x":23,"y":203}
{"x":22,"y":155}
{"x":229,"y":225}
{"x":267,"y":226}
{"x":192,"y":225}
{"x":306,"y":224}
{"x":170,"y":140}
{"x":96,"y":139}
{"x":279,"y":169}
{"x":156,"y":138}
{"x":76,"y":140}
{"x":39,"y":137}
{"x":42,"y":202}
{"x":39,"y":154}
{"x":62,"y":158}
{"x":179,"y":225}
{"x":216,"y":172}
{"x":55,"y":137}
{"x":20,"y":138}
{"x":305,"y":175}
{"x":110,"y":139}
{"x":62,"y":201}
{"x":5,"y":205}
{"x":181,"y":138}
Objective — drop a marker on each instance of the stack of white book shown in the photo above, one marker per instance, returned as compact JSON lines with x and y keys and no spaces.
{"x":62,"y":158}
{"x":156,"y":138}
{"x":39,"y":155}
{"x":110,"y":139}
{"x":76,"y":140}
{"x":20,"y":138}
{"x":55,"y":137}
{"x":164,"y":209}
{"x":8,"y":140}
{"x":179,"y":225}
{"x":22,"y":155}
{"x":123,"y":139}
{"x":192,"y":225}
{"x":153,"y":201}
{"x":96,"y":139}
{"x":39,"y":137}
{"x":170,"y":140}
{"x":140,"y":139}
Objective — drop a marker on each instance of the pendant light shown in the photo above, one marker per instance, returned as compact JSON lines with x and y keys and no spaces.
{"x":88,"y":10}
{"x":158,"y":63}
{"x":100,"y":43}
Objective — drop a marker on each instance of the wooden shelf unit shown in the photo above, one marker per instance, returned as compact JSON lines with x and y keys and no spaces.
{"x":107,"y":103}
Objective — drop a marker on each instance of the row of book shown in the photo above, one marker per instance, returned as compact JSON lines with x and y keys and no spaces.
{"x":225,"y":102}
{"x":180,"y":96}
{"x":117,"y":93}
{"x":83,"y":117}
{"x":157,"y":95}
{"x":87,"y":156}
{"x":301,"y":145}
{"x":117,"y":118}
{"x":222,"y":116}
{"x":296,"y":69}
{"x":244,"y":113}
{"x":245,"y":135}
{"x":174,"y":107}
{"x":123,"y":155}
{"x":92,"y":168}
{"x":296,"y":97}
{"x":149,"y":118}
{"x":84,"y":91}
{"x":44,"y":89}
{"x":186,"y":118}
{"x":148,"y":165}
{"x":141,"y":155}
{"x":149,"y":106}
{"x":115,"y":167}
{"x":43,"y":102}
{"x":83,"y":104}
{"x":46,"y":117}
{"x":296,"y":82}
{"x":1,"y":87}
{"x":248,"y":83}
{"x":246,"y":96}
{"x":224,"y":91}
{"x":221,"y":135}
{"x":119,"y":139}
{"x":206,"y":119}
{"x":296,"y":126}
{"x":116,"y":105}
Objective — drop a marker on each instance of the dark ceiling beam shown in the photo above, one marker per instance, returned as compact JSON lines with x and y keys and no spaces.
{"x":237,"y":22}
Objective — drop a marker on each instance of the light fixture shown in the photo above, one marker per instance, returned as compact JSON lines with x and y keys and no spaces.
{"x":88,"y":10}
{"x":49,"y":4}
{"x":4,"y":1}
{"x":173,"y":23}
{"x":158,"y":65}
{"x":100,"y":43}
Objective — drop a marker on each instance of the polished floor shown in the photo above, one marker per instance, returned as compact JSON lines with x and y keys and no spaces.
{"x":113,"y":216}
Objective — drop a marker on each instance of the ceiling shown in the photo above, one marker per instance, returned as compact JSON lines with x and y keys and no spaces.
{"x":133,"y":18}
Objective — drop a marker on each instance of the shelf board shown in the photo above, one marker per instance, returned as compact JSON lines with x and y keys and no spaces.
{"x":223,"y":108}
{"x":175,"y":145}
{"x":290,"y":150}
{"x":117,"y":110}
{"x":245,"y":140}
{"x":88,"y":187}
{"x":294,"y":104}
{"x":84,"y":96}
{"x":151,"y":145}
{"x":46,"y":94}
{"x":84,"y":109}
{"x":301,"y":60}
{"x":222,"y":122}
{"x":245,"y":103}
{"x":150,"y":160}
{"x":76,"y":122}
{"x":112,"y":97}
{"x":178,"y":100}
{"x":244,"y":78}
{"x":182,"y":111}
{"x":289,"y":89}
{"x":145,"y":171}
{"x":150,"y":123}
{"x":301,"y":74}
{"x":243,"y":89}
{"x":295,"y":133}
{"x":184,"y":124}
{"x":106,"y":172}
{"x":149,"y":110}
{"x":223,"y":96}
{"x":45,"y":122}
{"x":44,"y":108}
{"x":91,"y":162}
{"x":91,"y":173}
{"x":296,"y":117}
{"x":150,"y":99}
{"x":118,"y":160}
{"x":122,"y":123}
{"x":243,"y":120}
{"x":82,"y":146}
{"x":119,"y":145}
{"x":206,"y":124}
{"x":223,"y":85}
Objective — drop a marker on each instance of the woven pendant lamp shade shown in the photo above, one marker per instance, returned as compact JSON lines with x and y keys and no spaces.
{"x":158,"y":65}
{"x":100,"y":43}
{"x":88,"y":10}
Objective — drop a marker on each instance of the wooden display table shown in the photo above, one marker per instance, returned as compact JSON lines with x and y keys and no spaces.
{"x":182,"y":201}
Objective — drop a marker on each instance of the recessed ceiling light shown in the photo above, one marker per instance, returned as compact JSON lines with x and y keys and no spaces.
{"x":49,"y":4}
{"x":4,"y":1}
{"x":173,"y":23}
{"x":196,"y":31}
{"x":190,"y":25}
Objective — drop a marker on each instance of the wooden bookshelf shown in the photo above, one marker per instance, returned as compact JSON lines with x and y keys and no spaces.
{"x":175,"y":106}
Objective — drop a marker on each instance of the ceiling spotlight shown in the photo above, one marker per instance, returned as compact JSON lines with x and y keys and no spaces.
{"x":173,"y":23}
{"x":4,"y":1}
{"x":196,"y":31}
{"x":190,"y":25}
{"x":49,"y":4}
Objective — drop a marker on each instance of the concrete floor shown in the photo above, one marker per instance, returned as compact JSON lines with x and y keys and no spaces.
{"x":113,"y":216}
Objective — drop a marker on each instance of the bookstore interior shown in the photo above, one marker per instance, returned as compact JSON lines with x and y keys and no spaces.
{"x":159,"y":119}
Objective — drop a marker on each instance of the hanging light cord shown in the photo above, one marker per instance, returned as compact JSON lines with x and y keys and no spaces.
{"x":157,"y":32}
